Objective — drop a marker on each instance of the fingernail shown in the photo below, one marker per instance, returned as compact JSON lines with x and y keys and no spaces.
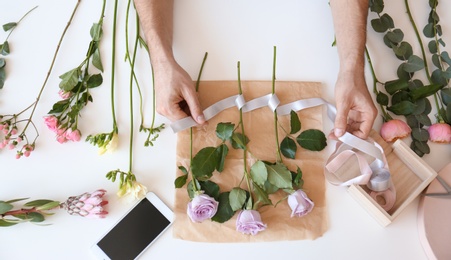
{"x":200,"y":119}
{"x":338,"y":132}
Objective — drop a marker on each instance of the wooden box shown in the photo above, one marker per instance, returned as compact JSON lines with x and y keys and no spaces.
{"x":410,"y":176}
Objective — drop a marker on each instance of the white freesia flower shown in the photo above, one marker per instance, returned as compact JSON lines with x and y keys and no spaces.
{"x":109,"y":146}
{"x":132,"y":191}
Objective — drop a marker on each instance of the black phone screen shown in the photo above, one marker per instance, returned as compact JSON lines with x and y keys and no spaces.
{"x":134,"y":232}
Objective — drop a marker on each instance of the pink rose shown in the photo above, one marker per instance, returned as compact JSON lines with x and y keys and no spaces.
{"x":88,"y":205}
{"x":202,"y":207}
{"x":440,"y":133}
{"x":249,"y":222}
{"x":64,"y":94}
{"x":73,"y":135}
{"x":394,"y":129}
{"x":299,"y":203}
{"x":51,"y":122}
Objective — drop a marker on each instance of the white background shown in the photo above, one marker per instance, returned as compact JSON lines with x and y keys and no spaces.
{"x":229,"y":31}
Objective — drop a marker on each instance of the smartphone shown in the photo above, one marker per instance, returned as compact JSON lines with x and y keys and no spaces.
{"x":135,"y":231}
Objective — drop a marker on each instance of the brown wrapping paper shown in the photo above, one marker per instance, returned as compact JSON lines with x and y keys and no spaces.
{"x":259,"y":128}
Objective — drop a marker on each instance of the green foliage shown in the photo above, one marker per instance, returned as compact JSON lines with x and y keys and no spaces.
{"x":312,"y":139}
{"x":295,"y":122}
{"x":225,"y":211}
{"x":32,"y":211}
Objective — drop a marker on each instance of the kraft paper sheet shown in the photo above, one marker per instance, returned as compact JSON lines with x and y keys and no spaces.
{"x":259,"y":128}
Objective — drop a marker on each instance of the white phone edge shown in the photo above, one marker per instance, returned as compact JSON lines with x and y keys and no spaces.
{"x":98,"y":253}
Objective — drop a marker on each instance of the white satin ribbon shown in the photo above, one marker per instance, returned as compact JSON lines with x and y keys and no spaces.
{"x":353,"y":144}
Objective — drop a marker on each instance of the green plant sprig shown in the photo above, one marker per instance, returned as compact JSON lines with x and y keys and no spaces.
{"x":32,"y":211}
{"x":5,"y":48}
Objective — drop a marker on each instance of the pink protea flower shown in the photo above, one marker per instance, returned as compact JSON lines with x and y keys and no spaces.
{"x":88,"y":205}
{"x":394,"y":129}
{"x":249,"y":222}
{"x":300,"y":203}
{"x":202,"y":207}
{"x":51,"y":122}
{"x":440,"y":133}
{"x":73,"y":135}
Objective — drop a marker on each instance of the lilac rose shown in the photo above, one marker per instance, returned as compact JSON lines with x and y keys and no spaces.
{"x":202,"y":207}
{"x":299,"y":203}
{"x":249,"y":222}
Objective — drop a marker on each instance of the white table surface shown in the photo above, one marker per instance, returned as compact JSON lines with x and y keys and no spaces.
{"x":229,"y":31}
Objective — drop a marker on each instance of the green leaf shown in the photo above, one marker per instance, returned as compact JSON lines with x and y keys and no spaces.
{"x":425,"y":91}
{"x":403,"y":51}
{"x":394,"y":86}
{"x":297,"y":178}
{"x":429,"y":31}
{"x":422,"y":146}
{"x":204,"y":163}
{"x":402,"y":74}
{"x":312,"y":139}
{"x":96,"y":60}
{"x":94,"y":81}
{"x":180,"y":181}
{"x":420,"y":134}
{"x":9,"y":26}
{"x":261,"y":197}
{"x":16,"y":200}
{"x":222,"y":151}
{"x":395,"y":36}
{"x":382,"y":99}
{"x":37,"y":203}
{"x":183,"y":169}
{"x":48,"y":206}
{"x":402,"y":108}
{"x":224,"y":131}
{"x":279,"y":176}
{"x":2,"y":63}
{"x":438,"y":78}
{"x":376,"y":6}
{"x":423,"y":119}
{"x":210,"y":188}
{"x":5,"y":207}
{"x":5,"y":48}
{"x":6,"y":223}
{"x":295,"y":123}
{"x":259,"y":173}
{"x":378,"y":25}
{"x":288,"y":147}
{"x":414,"y":63}
{"x":239,"y":141}
{"x":224,"y":212}
{"x":70,"y":79}
{"x":96,"y":32}
{"x":2,"y":77}
{"x":387,"y":21}
{"x":445,"y":56}
{"x":432,"y":46}
{"x":445,"y":93}
{"x":237,"y":198}
{"x":36,"y":217}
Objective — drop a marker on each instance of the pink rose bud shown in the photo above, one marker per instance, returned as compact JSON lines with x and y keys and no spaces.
{"x":249,"y":222}
{"x":440,"y":133}
{"x":87,"y":204}
{"x":394,"y":129}
{"x":64,"y":94}
{"x":202,"y":207}
{"x":51,"y":122}
{"x":300,"y":204}
{"x":73,"y":135}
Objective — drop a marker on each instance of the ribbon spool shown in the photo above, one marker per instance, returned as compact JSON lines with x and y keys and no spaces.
{"x":376,"y":175}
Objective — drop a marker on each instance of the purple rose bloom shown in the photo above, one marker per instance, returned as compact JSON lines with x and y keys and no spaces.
{"x":202,"y":207}
{"x":300,"y":204}
{"x":249,"y":222}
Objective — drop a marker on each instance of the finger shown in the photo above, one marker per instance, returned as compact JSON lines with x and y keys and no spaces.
{"x":341,"y":120}
{"x":195,"y":109}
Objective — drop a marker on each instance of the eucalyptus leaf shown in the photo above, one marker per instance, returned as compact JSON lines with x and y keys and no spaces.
{"x":420,"y":134}
{"x":436,"y":60}
{"x":403,"y":51}
{"x":295,"y":123}
{"x":394,"y":86}
{"x":448,"y":114}
{"x":376,"y":6}
{"x":259,"y":173}
{"x":9,"y":26}
{"x":224,"y":131}
{"x":70,"y":79}
{"x":382,"y":99}
{"x":423,"y":119}
{"x":414,"y":63}
{"x":5,"y":207}
{"x":288,"y":147}
{"x":402,"y":108}
{"x":425,"y":91}
{"x":5,"y":49}
{"x":432,"y":46}
{"x":429,"y":31}
{"x":222,"y":151}
{"x":2,"y":77}
{"x":94,"y":81}
{"x":2,"y":63}
{"x":279,"y":176}
{"x":378,"y":25}
{"x":312,"y":139}
{"x":395,"y":36}
{"x":445,"y":93}
{"x":204,"y":163}
{"x":387,"y":21}
{"x":402,"y":74}
{"x":445,"y":56}
{"x":224,"y":212}
{"x":422,"y":146}
{"x":237,"y":198}
{"x":438,"y":78}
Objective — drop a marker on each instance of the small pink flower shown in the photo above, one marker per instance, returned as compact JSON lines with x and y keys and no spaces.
{"x":202,"y":207}
{"x":394,"y":129}
{"x":64,"y":94}
{"x":51,"y":122}
{"x":61,"y":139}
{"x":73,"y":135}
{"x":18,"y":155}
{"x":249,"y":222}
{"x":440,"y":133}
{"x":88,"y":205}
{"x":300,"y":204}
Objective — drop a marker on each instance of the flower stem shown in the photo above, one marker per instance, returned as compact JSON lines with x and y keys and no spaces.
{"x":276,"y":130}
{"x":51,"y":65}
{"x":7,"y":37}
{"x":113,"y":66}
